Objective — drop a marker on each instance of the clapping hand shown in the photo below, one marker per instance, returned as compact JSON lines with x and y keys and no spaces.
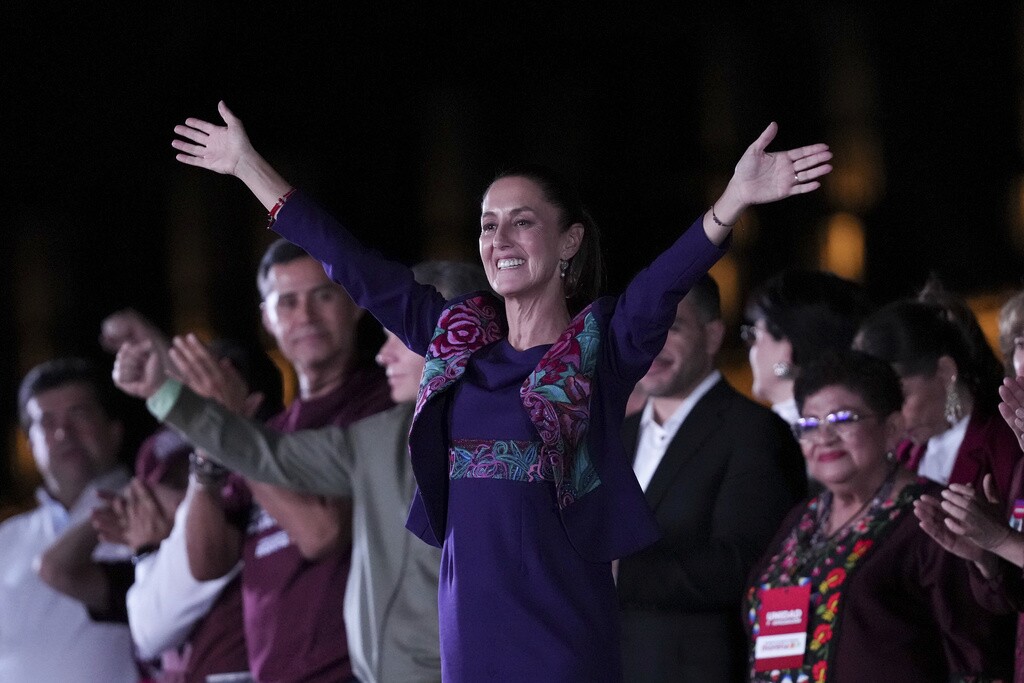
{"x":139,"y":516}
{"x":975,"y":517}
{"x":211,"y":377}
{"x":1012,"y":406}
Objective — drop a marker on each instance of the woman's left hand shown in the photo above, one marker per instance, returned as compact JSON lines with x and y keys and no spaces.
{"x":213,"y":378}
{"x":932,"y":520}
{"x":762,"y":177}
{"x":148,"y":520}
{"x":1012,"y":406}
{"x":972,"y":516}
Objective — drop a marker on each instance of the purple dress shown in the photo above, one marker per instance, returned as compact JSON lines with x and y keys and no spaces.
{"x":522,"y":476}
{"x":520,"y":565}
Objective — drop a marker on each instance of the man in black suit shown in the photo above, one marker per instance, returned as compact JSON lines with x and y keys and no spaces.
{"x":720,"y":472}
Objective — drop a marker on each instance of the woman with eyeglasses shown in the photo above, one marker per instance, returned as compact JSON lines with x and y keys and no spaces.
{"x":953,"y":433}
{"x":851,"y":589}
{"x":795,"y":317}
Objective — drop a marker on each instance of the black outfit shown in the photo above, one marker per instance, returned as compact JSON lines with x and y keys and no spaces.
{"x":727,"y":480}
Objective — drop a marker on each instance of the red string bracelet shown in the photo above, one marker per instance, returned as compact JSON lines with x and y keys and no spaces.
{"x":272,"y":216}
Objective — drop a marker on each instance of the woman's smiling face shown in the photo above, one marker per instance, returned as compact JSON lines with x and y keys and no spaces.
{"x":857,"y":450}
{"x":521,"y":240}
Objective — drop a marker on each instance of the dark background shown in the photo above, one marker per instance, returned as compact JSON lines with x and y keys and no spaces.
{"x":396,"y":115}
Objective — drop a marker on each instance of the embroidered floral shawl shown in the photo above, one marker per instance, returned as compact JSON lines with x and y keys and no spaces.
{"x":556,"y":395}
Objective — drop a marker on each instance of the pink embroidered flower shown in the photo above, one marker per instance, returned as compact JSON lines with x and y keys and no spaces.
{"x":818,"y":671}
{"x":543,"y":415}
{"x":461,"y":329}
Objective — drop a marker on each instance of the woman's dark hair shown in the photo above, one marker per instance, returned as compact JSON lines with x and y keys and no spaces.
{"x":585,"y":276}
{"x":955,"y":310}
{"x":912,"y":336}
{"x":451,"y":278}
{"x":814,"y":310}
{"x":867,"y":376}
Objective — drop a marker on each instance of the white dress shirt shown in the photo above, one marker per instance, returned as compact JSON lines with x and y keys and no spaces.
{"x":787,"y":411}
{"x":940,"y":454}
{"x":165,"y":602}
{"x":655,"y":438}
{"x":44,"y":634}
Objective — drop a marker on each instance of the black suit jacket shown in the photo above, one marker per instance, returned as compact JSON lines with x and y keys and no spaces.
{"x":727,"y":479}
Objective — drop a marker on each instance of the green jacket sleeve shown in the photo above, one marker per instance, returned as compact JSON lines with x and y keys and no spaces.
{"x":315,"y":461}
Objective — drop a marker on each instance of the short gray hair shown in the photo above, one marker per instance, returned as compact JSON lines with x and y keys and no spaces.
{"x":451,"y":278}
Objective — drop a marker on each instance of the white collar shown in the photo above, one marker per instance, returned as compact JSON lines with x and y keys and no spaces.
{"x":88,"y":499}
{"x":680,"y":413}
{"x":787,"y":410}
{"x":941,"y":452}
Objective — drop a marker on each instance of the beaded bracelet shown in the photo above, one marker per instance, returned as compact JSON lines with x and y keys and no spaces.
{"x":720,"y":223}
{"x":206,"y":472}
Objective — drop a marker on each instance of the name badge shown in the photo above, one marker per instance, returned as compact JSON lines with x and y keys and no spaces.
{"x":782,"y":628}
{"x":1017,"y":519}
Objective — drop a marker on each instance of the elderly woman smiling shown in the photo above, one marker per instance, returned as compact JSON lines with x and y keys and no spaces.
{"x":851,"y":587}
{"x":522,"y":479}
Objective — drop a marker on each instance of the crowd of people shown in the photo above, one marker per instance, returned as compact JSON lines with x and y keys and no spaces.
{"x":478,"y":505}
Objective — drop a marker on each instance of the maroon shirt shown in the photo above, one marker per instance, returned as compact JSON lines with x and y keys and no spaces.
{"x":216,"y":646}
{"x":293,"y":607}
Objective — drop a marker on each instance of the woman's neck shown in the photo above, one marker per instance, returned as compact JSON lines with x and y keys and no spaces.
{"x":853,"y":496}
{"x":535,"y":321}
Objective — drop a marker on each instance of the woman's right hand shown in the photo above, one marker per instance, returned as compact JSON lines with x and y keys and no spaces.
{"x":976,"y":517}
{"x":1012,"y":406}
{"x":226,"y":149}
{"x":217,"y":148}
{"x":932,"y":520}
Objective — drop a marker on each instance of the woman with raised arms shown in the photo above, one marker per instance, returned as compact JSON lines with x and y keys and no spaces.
{"x":523,"y":481}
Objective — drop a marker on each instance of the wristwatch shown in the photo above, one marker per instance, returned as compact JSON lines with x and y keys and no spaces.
{"x":208,"y":473}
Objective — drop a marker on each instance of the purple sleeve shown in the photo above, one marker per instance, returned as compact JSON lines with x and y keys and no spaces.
{"x":646,"y":310}
{"x":385,"y":288}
